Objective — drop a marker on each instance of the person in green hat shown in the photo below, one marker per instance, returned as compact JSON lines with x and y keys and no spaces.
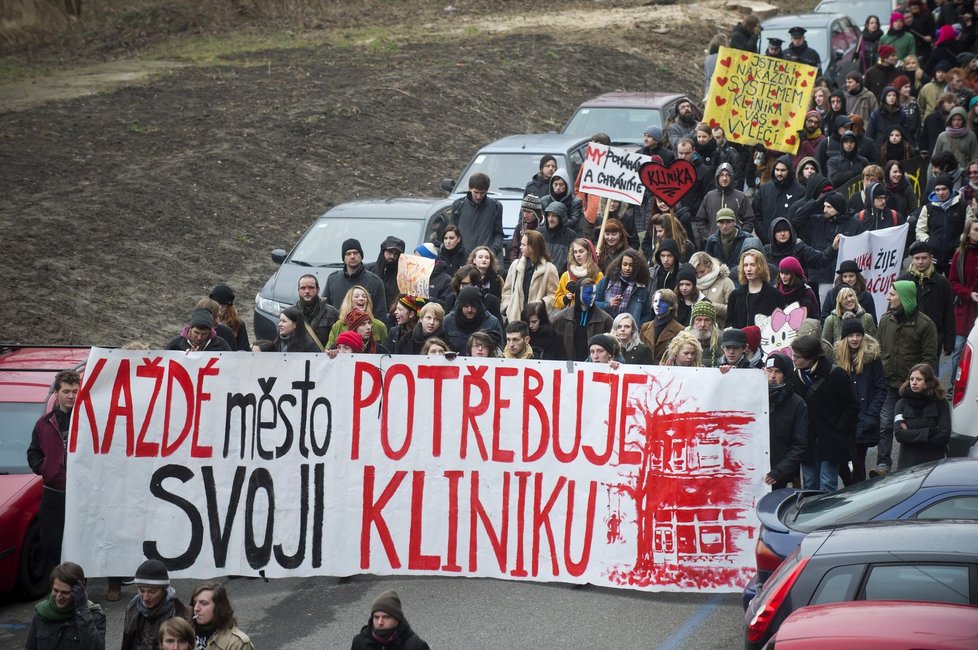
{"x":907,"y":337}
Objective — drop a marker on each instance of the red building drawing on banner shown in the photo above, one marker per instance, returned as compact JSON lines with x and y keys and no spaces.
{"x":691,"y":494}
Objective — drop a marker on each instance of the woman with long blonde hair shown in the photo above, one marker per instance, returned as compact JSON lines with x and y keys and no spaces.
{"x":357,"y":298}
{"x":582,"y":262}
{"x":858,"y":354}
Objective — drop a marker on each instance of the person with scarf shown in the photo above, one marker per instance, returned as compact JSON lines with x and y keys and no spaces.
{"x":834,"y":221}
{"x":577,"y":323}
{"x":907,"y":337}
{"x":755,"y":295}
{"x":793,"y":287}
{"x":912,"y":117}
{"x":787,"y":422}
{"x":687,"y":293}
{"x":958,"y":138}
{"x":810,"y":136}
{"x":846,"y":306}
{"x":859,"y":100}
{"x":199,"y":335}
{"x":877,"y":215}
{"x":293,"y":333}
{"x":833,"y":412}
{"x":614,"y":243}
{"x":897,"y":147}
{"x":858,"y":354}
{"x":900,"y":196}
{"x":530,"y":278}
{"x":714,"y":283}
{"x":405,"y":319}
{"x":66,"y":618}
{"x":964,"y":283}
{"x":703,"y":318}
{"x":935,"y":296}
{"x":156,"y":602}
{"x":546,"y":344}
{"x":684,"y":351}
{"x":214,"y":624}
{"x":922,"y":418}
{"x":360,"y":323}
{"x":470,"y":316}
{"x":866,"y":51}
{"x":899,"y":36}
{"x":452,"y":250}
{"x":625,"y":289}
{"x":941,"y":221}
{"x":531,"y":218}
{"x":557,"y":235}
{"x":729,"y":240}
{"x":318,"y":314}
{"x":486,"y":262}
{"x":849,"y":275}
{"x":582,"y":262}
{"x":624,"y":329}
{"x":725,"y":196}
{"x":658,"y":332}
{"x":388,"y":627}
{"x":429,"y":325}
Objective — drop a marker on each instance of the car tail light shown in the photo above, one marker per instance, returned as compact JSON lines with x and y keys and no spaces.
{"x":962,"y":375}
{"x":774,"y":593}
{"x":765,"y":558}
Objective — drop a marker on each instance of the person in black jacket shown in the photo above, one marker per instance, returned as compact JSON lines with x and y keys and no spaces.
{"x":848,"y":164}
{"x":385,"y":268}
{"x":545,"y":343}
{"x":318,"y":314}
{"x":788,"y":422}
{"x":66,"y":618}
{"x":833,"y":411}
{"x":922,"y":418}
{"x":934,"y":295}
{"x":452,"y":250}
{"x":293,"y":333}
{"x":825,"y":231}
{"x":227,"y":315}
{"x":353,"y":273}
{"x":745,"y":34}
{"x":199,"y":335}
{"x":848,"y":275}
{"x":539,"y":185}
{"x":772,"y":199}
{"x":388,"y":627}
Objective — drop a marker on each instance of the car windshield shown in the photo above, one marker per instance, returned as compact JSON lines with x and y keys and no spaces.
{"x":17,"y":421}
{"x":623,"y":125}
{"x":859,"y":502}
{"x":858,"y":10}
{"x":509,"y":172}
{"x":321,"y":244}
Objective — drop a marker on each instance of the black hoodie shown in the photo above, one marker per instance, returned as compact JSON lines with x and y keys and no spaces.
{"x":773,"y":198}
{"x":809,"y":257}
{"x":662,"y":278}
{"x":810,"y":206}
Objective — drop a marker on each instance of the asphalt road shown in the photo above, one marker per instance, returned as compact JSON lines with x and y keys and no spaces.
{"x":459,"y":613}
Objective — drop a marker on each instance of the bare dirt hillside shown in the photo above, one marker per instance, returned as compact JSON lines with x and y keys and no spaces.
{"x":120,"y":209}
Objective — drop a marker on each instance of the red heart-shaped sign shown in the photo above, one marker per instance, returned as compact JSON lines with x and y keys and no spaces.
{"x":725,"y":62}
{"x":736,"y":136}
{"x":753,"y":122}
{"x":792,"y":113}
{"x":790,"y":140}
{"x":797,"y":74}
{"x":734,"y":112}
{"x":744,"y":57}
{"x":774,"y":122}
{"x":714,"y":124}
{"x":748,"y":102}
{"x":811,"y":73}
{"x":804,"y":84}
{"x":670,"y":184}
{"x":722,"y":81}
{"x":719,"y":100}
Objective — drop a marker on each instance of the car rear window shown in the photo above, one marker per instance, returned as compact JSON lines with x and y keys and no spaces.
{"x":926,"y":582}
{"x":321,"y":244}
{"x":860,"y":502}
{"x":16,"y":425}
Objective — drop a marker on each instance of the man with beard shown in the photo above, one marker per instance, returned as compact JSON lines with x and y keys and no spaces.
{"x":809,"y":137}
{"x":704,"y":176}
{"x":703,"y":325}
{"x":724,"y":195}
{"x":353,"y":273}
{"x":653,"y":145}
{"x":319,"y":314}
{"x":385,"y":268}
{"x":788,"y":422}
{"x":684,"y":124}
{"x":539,"y":185}
{"x":800,"y":51}
{"x":773,"y":198}
{"x":388,"y":627}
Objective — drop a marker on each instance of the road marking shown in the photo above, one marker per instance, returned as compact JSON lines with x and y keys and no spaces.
{"x":693,"y":622}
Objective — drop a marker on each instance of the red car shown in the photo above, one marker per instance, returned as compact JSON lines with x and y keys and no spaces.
{"x":879,"y":625}
{"x":26,"y":393}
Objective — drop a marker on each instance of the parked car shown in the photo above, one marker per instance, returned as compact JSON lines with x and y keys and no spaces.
{"x":933,"y":561}
{"x":946,"y":489}
{"x":859,"y":10}
{"x":318,"y":250}
{"x":882,"y":625}
{"x":511,"y":162}
{"x":833,"y":36}
{"x":964,"y":401}
{"x":624,"y":116}
{"x":26,"y":393}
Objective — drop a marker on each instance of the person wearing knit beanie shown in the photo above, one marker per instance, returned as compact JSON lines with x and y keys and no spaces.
{"x":356,"y":318}
{"x":349,"y":341}
{"x":793,"y":266}
{"x":851,"y":324}
{"x":602,"y":348}
{"x":837,"y":202}
{"x":753,"y":335}
{"x":412,"y":303}
{"x":427,"y":250}
{"x":388,"y":627}
{"x":156,"y":602}
{"x":352,"y":245}
{"x":703,"y":308}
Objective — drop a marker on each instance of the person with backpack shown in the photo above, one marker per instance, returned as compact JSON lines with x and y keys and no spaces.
{"x":876,"y":215}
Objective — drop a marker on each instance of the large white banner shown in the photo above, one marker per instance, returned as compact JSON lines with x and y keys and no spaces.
{"x":879,"y":254}
{"x":613,"y":173}
{"x":298,"y":465}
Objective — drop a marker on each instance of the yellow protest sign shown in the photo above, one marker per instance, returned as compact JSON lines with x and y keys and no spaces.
{"x":759,"y":99}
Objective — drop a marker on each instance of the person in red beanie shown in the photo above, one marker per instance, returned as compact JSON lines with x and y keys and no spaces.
{"x":754,"y":352}
{"x":388,"y":627}
{"x":883,"y":73}
{"x":793,"y":286}
{"x":348,"y":343}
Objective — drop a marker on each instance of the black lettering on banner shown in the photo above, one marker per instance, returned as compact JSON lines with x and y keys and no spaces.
{"x":317,"y":516}
{"x":258,"y":556}
{"x":293,"y":561}
{"x":320,"y":450}
{"x":188,"y":557}
{"x":244,"y":402}
{"x":219,"y":537}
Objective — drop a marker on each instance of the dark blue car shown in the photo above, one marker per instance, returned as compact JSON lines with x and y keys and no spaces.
{"x":946,"y":489}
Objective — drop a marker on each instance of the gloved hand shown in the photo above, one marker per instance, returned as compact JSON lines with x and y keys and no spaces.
{"x":79,"y":595}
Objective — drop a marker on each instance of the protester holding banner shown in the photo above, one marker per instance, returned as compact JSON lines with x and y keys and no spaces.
{"x":199,"y":335}
{"x":624,"y":329}
{"x":429,"y":325}
{"x":530,"y":278}
{"x":684,"y":351}
{"x":847,"y":164}
{"x":66,"y":617}
{"x":784,"y":243}
{"x":214,"y":624}
{"x":626,"y":213}
{"x":836,"y":220}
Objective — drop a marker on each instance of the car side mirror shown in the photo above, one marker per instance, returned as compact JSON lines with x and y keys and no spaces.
{"x":278,"y":255}
{"x":448,"y":184}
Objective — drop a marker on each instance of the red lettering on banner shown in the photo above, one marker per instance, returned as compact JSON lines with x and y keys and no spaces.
{"x":474,"y":378}
{"x":179,"y":374}
{"x":197,"y":450}
{"x":152,"y":369}
{"x":438,"y":374}
{"x":416,"y":560}
{"x":373,"y":515}
{"x":530,"y":394}
{"x":626,"y":457}
{"x":394,"y":371}
{"x":451,"y":561}
{"x":120,"y":389}
{"x":520,"y":570}
{"x":499,"y":454}
{"x":578,"y":568}
{"x":361,"y":401}
{"x":83,"y":403}
{"x":589,"y":452}
{"x":478,"y":513}
{"x":541,"y":519}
